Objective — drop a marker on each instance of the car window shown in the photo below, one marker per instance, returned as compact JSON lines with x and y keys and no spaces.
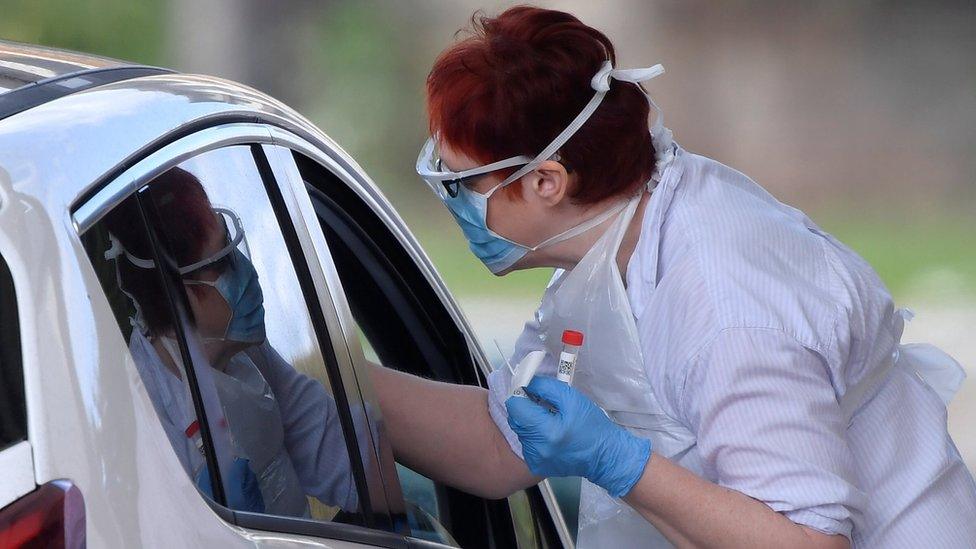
{"x":13,"y":416}
{"x":139,"y":302}
{"x":244,"y":345}
{"x":402,"y":324}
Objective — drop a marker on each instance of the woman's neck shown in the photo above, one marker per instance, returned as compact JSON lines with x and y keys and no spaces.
{"x":217,"y":353}
{"x":566,"y":254}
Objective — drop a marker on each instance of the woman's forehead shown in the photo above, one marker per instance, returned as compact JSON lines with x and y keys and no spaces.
{"x":454,"y":160}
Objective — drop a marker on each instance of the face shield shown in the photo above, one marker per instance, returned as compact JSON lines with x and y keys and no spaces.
{"x":236,"y":241}
{"x":236,"y":281}
{"x":445,"y":183}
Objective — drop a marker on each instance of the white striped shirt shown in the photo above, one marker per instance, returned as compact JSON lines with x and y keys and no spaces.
{"x":753,"y":324}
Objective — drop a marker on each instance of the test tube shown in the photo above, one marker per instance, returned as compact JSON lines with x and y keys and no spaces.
{"x":572,"y":341}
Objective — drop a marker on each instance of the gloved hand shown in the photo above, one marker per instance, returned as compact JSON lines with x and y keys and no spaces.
{"x":578,"y":439}
{"x":244,"y":493}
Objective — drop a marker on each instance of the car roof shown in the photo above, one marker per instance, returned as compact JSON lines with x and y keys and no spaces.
{"x":58,"y":150}
{"x":33,"y":75}
{"x":24,"y":64}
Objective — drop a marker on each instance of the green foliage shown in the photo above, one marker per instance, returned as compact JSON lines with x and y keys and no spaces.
{"x":125,"y":29}
{"x":934,"y":258}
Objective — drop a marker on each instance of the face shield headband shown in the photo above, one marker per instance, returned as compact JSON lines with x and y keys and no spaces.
{"x":235,"y":240}
{"x":441,"y":181}
{"x":237,"y":284}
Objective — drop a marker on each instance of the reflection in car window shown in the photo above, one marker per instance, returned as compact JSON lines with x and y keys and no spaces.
{"x":216,"y":231}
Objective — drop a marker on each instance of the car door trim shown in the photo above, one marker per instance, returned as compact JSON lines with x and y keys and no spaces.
{"x":354,"y":177}
{"x":326,"y":284}
{"x":112,"y":193}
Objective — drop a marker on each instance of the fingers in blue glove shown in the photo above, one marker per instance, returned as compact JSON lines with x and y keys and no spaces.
{"x":550,"y":389}
{"x":524,"y":413}
{"x":578,"y":440}
{"x":243,"y":492}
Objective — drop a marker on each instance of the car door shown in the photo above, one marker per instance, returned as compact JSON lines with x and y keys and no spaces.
{"x":398,"y":313}
{"x":232,"y":424}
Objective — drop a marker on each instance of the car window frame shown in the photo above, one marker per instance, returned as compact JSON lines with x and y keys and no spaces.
{"x":12,"y":389}
{"x":349,"y":173}
{"x":135,"y":174}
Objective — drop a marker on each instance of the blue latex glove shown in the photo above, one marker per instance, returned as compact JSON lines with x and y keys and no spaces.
{"x":576,"y":439}
{"x":244,"y":493}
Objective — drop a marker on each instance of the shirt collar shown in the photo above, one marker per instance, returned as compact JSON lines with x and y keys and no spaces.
{"x":642,"y":268}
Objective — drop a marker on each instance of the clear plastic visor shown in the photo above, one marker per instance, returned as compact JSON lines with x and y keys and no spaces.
{"x":235,"y":240}
{"x":444,"y":182}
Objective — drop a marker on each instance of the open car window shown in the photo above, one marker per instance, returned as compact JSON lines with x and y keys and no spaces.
{"x":403,"y":325}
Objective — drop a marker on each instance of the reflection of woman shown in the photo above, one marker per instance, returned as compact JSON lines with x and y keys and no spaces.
{"x":283,"y":425}
{"x":748,"y":363}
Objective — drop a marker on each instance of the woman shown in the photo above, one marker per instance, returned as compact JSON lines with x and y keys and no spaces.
{"x":743,"y":356}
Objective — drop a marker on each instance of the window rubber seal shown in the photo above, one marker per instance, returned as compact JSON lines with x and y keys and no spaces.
{"x":307,"y":288}
{"x":13,"y":409}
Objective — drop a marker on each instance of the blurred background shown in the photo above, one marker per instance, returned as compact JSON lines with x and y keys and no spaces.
{"x":861,"y":113}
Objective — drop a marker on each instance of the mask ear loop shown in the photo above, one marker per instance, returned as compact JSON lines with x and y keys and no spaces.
{"x":601,"y":83}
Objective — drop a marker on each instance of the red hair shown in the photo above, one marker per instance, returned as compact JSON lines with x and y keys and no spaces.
{"x":519,"y":79}
{"x":183,"y":218}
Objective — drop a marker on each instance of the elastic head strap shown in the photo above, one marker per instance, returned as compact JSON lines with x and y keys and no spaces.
{"x":116,"y":249}
{"x":601,"y":83}
{"x":583,"y":227}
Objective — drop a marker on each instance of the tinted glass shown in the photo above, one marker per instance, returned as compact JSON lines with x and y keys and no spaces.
{"x":248,"y":337}
{"x":13,"y":415}
{"x":402,"y":325}
{"x":140,"y":305}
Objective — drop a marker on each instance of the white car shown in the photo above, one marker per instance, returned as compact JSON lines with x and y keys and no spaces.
{"x":88,"y":453}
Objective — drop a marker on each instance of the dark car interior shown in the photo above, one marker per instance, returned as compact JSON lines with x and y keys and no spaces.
{"x":409,"y":330}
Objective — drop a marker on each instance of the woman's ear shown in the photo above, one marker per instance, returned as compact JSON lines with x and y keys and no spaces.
{"x":549,"y":182}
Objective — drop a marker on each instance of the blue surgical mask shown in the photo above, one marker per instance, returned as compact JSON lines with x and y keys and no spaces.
{"x":238,"y":285}
{"x":470,"y":208}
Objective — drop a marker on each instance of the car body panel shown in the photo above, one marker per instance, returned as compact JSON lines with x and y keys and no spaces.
{"x":166,"y":105}
{"x":25,"y":64}
{"x":16,"y":472}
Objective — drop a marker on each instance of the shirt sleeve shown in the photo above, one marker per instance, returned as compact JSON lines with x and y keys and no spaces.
{"x":769,"y":426}
{"x":313,"y":434}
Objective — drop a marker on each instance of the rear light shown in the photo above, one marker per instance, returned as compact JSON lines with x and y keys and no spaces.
{"x":51,"y":516}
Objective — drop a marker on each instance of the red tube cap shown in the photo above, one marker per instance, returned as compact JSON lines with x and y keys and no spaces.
{"x":572,"y":337}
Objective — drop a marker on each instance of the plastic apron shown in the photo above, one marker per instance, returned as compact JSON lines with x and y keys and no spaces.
{"x":591,"y":298}
{"x":256,"y":430}
{"x":258,"y":433}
